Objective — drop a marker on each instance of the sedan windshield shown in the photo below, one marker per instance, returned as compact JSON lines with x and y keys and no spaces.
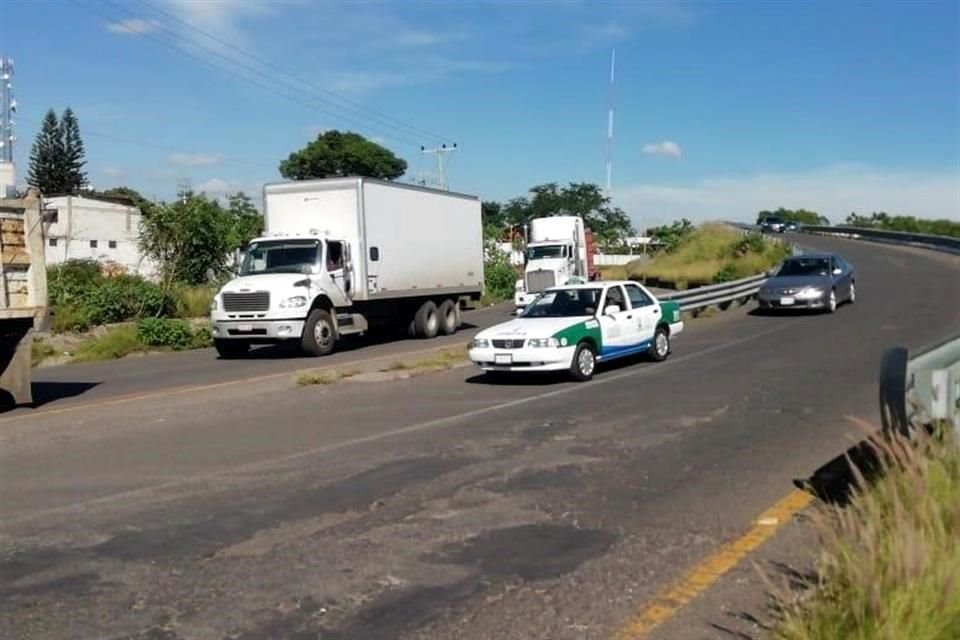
{"x":564,"y":303}
{"x":805,"y":267}
{"x":280,"y":256}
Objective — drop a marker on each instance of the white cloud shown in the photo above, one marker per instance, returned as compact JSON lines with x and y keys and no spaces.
{"x":112,"y":172}
{"x":194,"y":159}
{"x":832,"y":191}
{"x":665,"y":148}
{"x":133,"y":26}
{"x":415,"y":38}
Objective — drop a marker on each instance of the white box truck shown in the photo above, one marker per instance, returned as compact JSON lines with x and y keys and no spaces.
{"x":341,"y":256}
{"x":559,"y":251}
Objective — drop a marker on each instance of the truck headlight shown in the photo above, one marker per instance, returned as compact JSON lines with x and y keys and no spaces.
{"x":215,"y":303}
{"x":294,"y":302}
{"x":810,"y":293}
{"x":479,"y":343}
{"x":543,"y":343}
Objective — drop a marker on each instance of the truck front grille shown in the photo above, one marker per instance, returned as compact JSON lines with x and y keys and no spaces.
{"x":539,"y":280}
{"x":254,"y":301}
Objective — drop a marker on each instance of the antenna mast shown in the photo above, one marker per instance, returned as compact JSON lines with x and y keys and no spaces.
{"x":613,"y":62}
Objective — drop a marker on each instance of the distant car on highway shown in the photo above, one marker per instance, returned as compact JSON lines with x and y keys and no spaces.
{"x":574,"y":327}
{"x":772,"y":224}
{"x":790,"y":225}
{"x":809,"y":281}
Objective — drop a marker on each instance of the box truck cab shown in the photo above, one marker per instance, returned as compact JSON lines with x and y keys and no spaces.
{"x":559,"y":251}
{"x":346,"y":255}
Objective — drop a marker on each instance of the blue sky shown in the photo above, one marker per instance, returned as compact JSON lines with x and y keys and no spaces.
{"x":721,"y":108}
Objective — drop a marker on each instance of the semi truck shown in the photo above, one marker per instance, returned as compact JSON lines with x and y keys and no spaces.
{"x":559,"y":251}
{"x":344,"y":256}
{"x":23,"y":292}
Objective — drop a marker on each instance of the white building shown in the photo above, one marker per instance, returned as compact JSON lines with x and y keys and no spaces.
{"x":95,"y":228}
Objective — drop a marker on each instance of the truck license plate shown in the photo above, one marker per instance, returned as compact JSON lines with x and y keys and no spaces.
{"x":787,"y":301}
{"x":245,"y":328}
{"x":502,"y":358}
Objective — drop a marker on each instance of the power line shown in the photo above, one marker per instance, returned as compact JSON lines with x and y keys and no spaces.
{"x":379,"y":115}
{"x":292,"y":98}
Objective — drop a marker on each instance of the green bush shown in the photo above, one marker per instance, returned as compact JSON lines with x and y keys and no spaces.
{"x":125,"y":297}
{"x":175,"y":334}
{"x":194,"y":302}
{"x":82,"y":297}
{"x":499,"y":275}
{"x":70,"y":318}
{"x":116,"y":343}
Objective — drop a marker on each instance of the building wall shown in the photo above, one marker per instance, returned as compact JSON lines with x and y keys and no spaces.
{"x":84,"y":228}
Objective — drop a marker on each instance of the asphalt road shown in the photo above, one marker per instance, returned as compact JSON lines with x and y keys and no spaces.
{"x":71,"y":384}
{"x":441,"y":506}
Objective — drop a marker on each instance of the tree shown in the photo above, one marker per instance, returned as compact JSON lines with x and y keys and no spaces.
{"x":73,"y":152}
{"x":134,"y":196}
{"x":47,"y":171}
{"x":610,"y":224}
{"x":188,"y":239}
{"x":246,"y":221}
{"x":342,"y":154}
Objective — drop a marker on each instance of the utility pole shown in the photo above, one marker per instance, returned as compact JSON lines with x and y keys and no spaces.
{"x":440,"y":152}
{"x":184,"y":188}
{"x":8,"y":107}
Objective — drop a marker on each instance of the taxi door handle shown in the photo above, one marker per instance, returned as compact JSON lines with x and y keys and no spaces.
{"x":656,"y":312}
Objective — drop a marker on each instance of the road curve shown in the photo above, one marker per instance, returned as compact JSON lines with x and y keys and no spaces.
{"x":441,"y":506}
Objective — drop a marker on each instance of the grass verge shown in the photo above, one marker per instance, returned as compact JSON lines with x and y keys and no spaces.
{"x":890,"y":562}
{"x":439,"y":361}
{"x":40,"y":351}
{"x":111,"y":345}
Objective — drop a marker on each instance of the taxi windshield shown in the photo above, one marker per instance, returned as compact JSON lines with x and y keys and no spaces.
{"x":564,"y":303}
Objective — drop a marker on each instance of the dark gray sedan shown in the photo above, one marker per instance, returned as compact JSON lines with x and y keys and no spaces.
{"x":809,"y":281}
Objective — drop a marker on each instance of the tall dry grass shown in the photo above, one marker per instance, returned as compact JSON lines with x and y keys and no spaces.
{"x":889,"y":568}
{"x":710,"y":254}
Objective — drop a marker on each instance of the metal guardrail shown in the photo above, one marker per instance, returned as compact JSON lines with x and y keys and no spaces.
{"x":922,"y":240}
{"x":717,"y":294}
{"x":922,"y":388}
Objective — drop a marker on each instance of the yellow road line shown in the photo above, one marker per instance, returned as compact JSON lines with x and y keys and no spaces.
{"x":216,"y":385}
{"x":695,"y":581}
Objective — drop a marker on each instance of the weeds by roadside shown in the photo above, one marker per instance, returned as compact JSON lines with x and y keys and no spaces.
{"x":440,"y":361}
{"x":890,"y":563}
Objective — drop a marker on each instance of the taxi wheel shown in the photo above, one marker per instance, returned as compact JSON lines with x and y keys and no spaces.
{"x":584,"y":362}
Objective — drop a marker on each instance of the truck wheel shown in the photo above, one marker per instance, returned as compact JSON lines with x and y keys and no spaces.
{"x":319,"y":335}
{"x":427,"y":320}
{"x":231,"y":349}
{"x":584,"y":362}
{"x":660,"y":348}
{"x":449,"y":318}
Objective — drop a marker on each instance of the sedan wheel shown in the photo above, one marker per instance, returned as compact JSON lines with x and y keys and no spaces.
{"x":584,"y":362}
{"x":832,"y":301}
{"x":853,"y":292}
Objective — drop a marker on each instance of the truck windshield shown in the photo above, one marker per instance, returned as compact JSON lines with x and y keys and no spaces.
{"x":546,"y":251}
{"x":280,"y":256}
{"x":564,"y":303}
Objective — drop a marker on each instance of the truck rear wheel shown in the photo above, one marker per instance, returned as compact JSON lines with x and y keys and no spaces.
{"x":427,"y":320}
{"x":319,"y":335}
{"x":449,"y":318}
{"x":231,"y":349}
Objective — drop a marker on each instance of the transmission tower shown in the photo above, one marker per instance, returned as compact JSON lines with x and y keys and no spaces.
{"x":440,"y":152}
{"x":8,"y":107}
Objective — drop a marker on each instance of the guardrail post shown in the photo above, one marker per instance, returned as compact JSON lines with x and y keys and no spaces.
{"x":893,"y":390}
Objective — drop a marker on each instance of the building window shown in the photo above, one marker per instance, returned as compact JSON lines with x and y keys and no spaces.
{"x":93,"y":244}
{"x":52,"y":242}
{"x":112,"y":244}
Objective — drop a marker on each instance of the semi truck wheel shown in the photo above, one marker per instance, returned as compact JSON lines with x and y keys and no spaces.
{"x":449,"y":318}
{"x":427,"y":320}
{"x":319,"y":335}
{"x":231,"y":349}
